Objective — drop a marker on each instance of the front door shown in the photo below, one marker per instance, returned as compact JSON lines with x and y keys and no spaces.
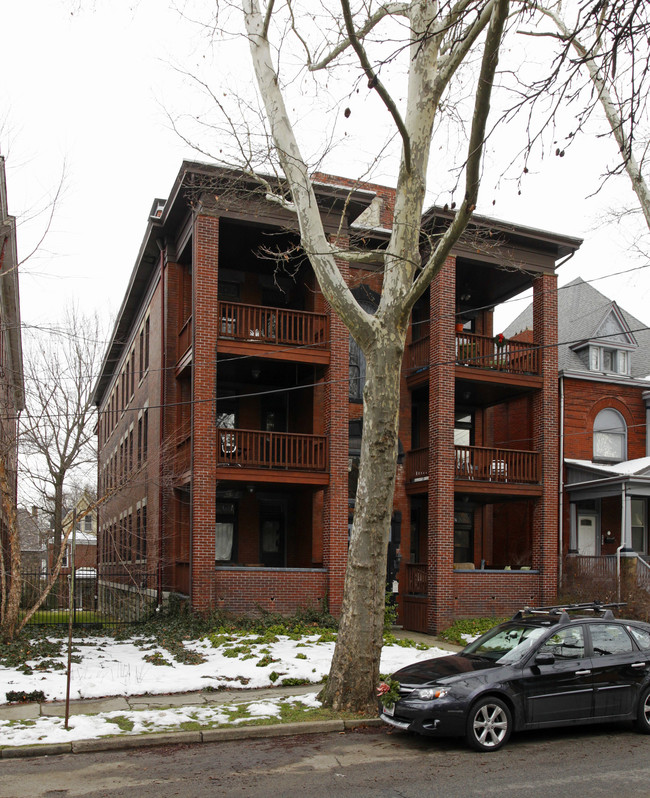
{"x":588,"y":534}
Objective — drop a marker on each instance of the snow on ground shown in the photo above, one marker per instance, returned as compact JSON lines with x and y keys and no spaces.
{"x":44,"y":730}
{"x":114,"y":668}
{"x":108,"y":667}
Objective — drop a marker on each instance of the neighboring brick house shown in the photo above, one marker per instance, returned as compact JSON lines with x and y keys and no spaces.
{"x":604,"y":363}
{"x":12,"y":395}
{"x":230,"y":412}
{"x":33,"y":545}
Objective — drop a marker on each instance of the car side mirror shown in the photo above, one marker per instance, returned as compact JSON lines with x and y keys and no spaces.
{"x":545,"y":658}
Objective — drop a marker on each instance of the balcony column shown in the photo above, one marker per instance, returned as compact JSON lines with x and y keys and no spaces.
{"x":335,"y":417}
{"x":171,"y":397}
{"x":546,"y":436}
{"x":204,"y":385}
{"x":440,"y":543}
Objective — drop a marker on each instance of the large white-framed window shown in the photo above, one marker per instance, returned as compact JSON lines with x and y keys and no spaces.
{"x":610,"y":436}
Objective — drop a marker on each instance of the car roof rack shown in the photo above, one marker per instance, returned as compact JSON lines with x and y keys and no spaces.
{"x":559,"y":613}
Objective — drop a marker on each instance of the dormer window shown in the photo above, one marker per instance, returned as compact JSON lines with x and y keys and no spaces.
{"x":608,"y":360}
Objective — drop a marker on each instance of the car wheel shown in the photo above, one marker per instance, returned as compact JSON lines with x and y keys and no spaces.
{"x":643,"y":712}
{"x":489,"y":725}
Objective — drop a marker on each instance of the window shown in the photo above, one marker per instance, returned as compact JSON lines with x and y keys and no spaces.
{"x":609,"y":639}
{"x":610,"y":436}
{"x":565,"y":644}
{"x":225,"y":544}
{"x":641,"y":636}
{"x":612,"y":361}
{"x":463,"y":428}
{"x":463,"y":536}
{"x":639,"y":529}
{"x":357,"y":358}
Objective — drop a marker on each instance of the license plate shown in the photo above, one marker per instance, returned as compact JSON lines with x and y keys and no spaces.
{"x":390,"y":710}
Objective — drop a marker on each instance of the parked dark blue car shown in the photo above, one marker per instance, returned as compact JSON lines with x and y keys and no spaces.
{"x":546,"y":667}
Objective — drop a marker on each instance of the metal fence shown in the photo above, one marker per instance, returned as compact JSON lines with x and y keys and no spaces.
{"x":112,"y":597}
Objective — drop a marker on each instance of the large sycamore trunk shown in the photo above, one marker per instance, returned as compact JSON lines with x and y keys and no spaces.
{"x":354,"y":674}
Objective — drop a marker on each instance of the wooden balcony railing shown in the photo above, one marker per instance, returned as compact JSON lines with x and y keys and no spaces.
{"x":496,"y":465}
{"x":272,"y":325}
{"x":480,"y":463}
{"x":514,"y":357}
{"x":417,"y":465}
{"x":280,"y":450}
{"x":480,"y":351}
{"x":416,"y":579}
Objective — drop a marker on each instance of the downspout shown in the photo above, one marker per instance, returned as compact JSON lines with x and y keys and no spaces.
{"x":561,"y":489}
{"x":159,"y":597}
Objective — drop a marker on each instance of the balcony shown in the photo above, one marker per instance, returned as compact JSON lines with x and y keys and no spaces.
{"x":480,"y":464}
{"x":242,"y":451}
{"x":254,"y":325}
{"x":481,"y":351}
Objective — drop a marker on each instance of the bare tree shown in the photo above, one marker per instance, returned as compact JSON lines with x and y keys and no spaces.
{"x":439,"y":38}
{"x":418,"y":57}
{"x":609,"y":41}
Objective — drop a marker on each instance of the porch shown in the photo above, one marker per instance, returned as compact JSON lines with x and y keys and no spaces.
{"x":481,"y":351}
{"x":480,"y":463}
{"x":475,"y":592}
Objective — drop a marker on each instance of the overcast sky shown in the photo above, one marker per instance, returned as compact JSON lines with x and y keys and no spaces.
{"x":84,"y":92}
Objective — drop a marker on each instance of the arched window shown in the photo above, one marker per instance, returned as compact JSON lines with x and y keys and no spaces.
{"x":610,"y":436}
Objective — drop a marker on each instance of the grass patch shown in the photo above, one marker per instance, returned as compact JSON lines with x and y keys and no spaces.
{"x":124,"y":723}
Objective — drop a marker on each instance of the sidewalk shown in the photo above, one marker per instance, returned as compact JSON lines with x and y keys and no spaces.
{"x":95,"y":706}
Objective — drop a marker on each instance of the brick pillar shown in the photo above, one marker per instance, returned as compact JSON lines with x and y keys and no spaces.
{"x":335,"y":499}
{"x":546,"y":436}
{"x":204,"y":386}
{"x":440,"y":544}
{"x":172,"y":323}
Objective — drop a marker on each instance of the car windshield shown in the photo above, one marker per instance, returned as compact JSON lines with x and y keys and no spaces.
{"x":507,"y":644}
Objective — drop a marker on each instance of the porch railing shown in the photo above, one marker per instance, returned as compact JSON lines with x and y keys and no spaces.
{"x":272,"y":325}
{"x":503,"y":354}
{"x":480,"y":463}
{"x":416,"y":579}
{"x":496,"y":465}
{"x":259,"y":449}
{"x":601,"y":567}
{"x":642,"y":573}
{"x":481,"y":351}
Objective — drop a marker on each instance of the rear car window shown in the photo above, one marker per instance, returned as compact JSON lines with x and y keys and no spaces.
{"x":609,"y":639}
{"x":642,"y":636}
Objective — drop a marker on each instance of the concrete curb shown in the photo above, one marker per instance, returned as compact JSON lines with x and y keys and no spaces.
{"x":126,"y":742}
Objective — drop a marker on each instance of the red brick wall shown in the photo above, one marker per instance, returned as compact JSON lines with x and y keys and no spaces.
{"x":442,"y":344}
{"x":204,"y":450}
{"x":481,"y":594}
{"x":546,"y":436}
{"x":584,"y":399}
{"x":241,"y":591}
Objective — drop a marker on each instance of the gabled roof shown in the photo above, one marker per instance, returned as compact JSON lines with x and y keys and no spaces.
{"x":638,"y":467}
{"x":586,"y":315}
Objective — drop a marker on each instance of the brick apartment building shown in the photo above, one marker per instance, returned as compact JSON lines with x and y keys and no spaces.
{"x":230,"y":412}
{"x":604,"y":364}
{"x":12,"y":394}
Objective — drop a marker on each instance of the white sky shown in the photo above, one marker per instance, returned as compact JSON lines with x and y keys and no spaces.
{"x":87,"y":88}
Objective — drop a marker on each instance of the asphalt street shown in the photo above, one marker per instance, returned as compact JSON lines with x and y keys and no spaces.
{"x":365,"y":763}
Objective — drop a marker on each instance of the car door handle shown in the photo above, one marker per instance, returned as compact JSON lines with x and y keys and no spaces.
{"x":583,"y":673}
{"x":638,"y":664}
